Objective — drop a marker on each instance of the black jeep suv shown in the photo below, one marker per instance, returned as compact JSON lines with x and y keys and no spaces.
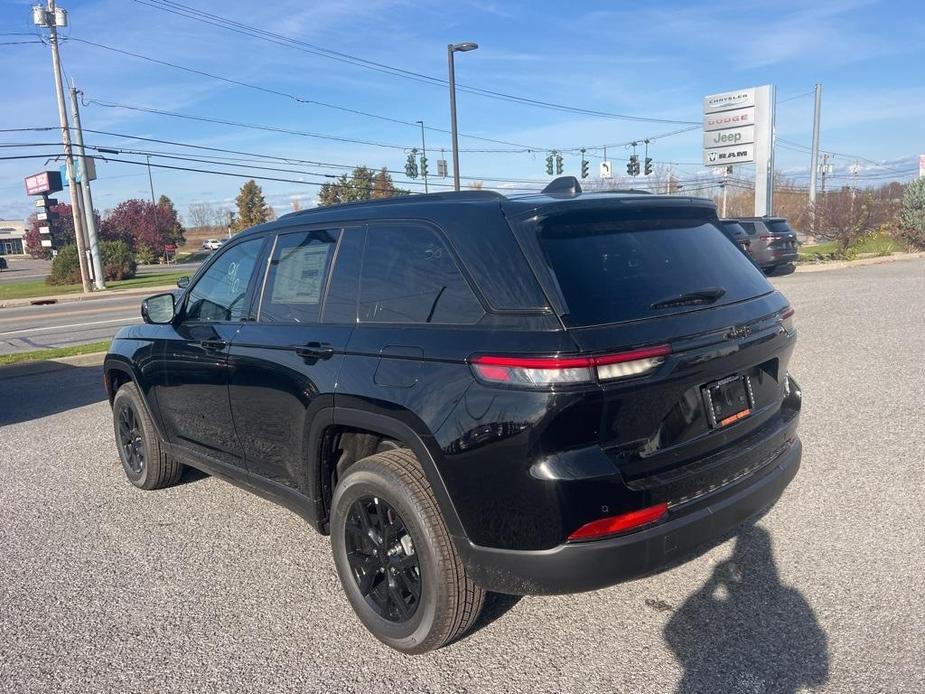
{"x":471,"y":392}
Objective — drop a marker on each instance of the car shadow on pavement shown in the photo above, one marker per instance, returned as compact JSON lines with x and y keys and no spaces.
{"x":782,"y":270}
{"x":33,"y":393}
{"x":496,"y":606}
{"x":744,"y":631}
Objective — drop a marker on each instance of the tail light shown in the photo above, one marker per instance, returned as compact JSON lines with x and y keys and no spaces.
{"x":612,"y":525}
{"x":786,"y":318}
{"x":539,"y":372}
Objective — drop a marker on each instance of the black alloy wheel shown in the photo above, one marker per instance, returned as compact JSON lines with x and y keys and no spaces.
{"x":131,"y":439}
{"x":382,"y":559}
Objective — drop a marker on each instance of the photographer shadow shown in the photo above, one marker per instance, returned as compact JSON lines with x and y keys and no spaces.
{"x":744,"y":631}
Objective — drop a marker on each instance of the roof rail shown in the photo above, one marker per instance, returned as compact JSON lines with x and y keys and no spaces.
{"x":462,"y":195}
{"x":563,"y":187}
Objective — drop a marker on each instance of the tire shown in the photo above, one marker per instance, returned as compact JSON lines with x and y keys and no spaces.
{"x":391,"y":488}
{"x":143,"y":455}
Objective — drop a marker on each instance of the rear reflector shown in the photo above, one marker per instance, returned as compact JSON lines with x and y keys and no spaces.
{"x":546,"y":371}
{"x":619,"y":524}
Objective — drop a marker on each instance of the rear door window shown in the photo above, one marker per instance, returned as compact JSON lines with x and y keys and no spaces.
{"x":296,"y":278}
{"x":410,"y":276}
{"x":613,"y":266}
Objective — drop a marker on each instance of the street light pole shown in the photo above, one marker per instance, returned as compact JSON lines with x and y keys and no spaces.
{"x":51,"y":20}
{"x":423,"y":156}
{"x":451,"y":49}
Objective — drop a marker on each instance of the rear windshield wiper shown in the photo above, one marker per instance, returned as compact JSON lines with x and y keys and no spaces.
{"x":701,"y":296}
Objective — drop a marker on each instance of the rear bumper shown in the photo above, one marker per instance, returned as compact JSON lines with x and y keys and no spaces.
{"x":779,"y":258}
{"x":576,"y":567}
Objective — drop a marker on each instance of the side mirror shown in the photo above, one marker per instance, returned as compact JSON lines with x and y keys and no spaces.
{"x":183,"y":282}
{"x":158,"y":309}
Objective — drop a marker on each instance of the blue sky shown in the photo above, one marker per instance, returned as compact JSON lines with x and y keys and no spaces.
{"x":656,"y":60}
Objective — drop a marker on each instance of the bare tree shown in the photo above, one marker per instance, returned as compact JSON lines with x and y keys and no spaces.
{"x":201,"y":214}
{"x":846,"y":216}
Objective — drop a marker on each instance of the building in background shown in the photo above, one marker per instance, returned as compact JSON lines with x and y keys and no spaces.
{"x":12,"y":237}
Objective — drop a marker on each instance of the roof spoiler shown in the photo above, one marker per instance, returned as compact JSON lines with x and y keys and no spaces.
{"x":563,"y":187}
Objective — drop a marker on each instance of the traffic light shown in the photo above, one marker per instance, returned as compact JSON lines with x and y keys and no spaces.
{"x":411,"y":165}
{"x":423,"y":166}
{"x":648,"y":169}
{"x":558,"y":164}
{"x":549,"y":165}
{"x":632,"y":166}
{"x":584,"y":168}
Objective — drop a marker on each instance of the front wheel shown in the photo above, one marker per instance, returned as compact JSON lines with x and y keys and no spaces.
{"x":144,"y":458}
{"x":395,"y":558}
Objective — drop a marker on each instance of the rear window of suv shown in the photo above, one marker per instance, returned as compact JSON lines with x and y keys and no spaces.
{"x":778,"y":226}
{"x":615,"y":266}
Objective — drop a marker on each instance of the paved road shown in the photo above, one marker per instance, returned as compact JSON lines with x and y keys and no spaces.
{"x":25,"y":328}
{"x":24,"y":270}
{"x":205,"y":588}
{"x":29,"y":270}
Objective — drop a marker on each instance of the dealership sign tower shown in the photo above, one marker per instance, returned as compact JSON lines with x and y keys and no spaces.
{"x":738,"y":128}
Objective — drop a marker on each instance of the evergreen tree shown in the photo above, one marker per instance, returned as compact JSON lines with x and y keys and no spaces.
{"x":362,"y":184}
{"x":252,"y":207}
{"x":912,"y":216}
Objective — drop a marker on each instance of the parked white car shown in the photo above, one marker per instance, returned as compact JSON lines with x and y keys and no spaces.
{"x":212,"y":244}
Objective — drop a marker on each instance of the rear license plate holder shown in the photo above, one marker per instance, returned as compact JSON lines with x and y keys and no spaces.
{"x":728,"y":400}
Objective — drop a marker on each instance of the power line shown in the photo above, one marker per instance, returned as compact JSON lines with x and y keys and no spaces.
{"x":288,"y":95}
{"x":254,"y":126}
{"x":249,"y":162}
{"x":279,"y":39}
{"x":801,"y":147}
{"x":302,"y":133}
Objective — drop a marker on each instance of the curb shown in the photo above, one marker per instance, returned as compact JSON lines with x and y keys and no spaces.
{"x":67,"y":298}
{"x":43,"y":366}
{"x":841,"y":264}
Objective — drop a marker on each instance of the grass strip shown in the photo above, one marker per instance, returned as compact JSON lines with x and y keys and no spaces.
{"x":54,"y":352}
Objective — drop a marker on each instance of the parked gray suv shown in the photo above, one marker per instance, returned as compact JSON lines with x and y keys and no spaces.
{"x":771,"y":241}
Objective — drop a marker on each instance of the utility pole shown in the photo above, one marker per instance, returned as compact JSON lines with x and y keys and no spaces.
{"x":814,"y":159}
{"x":824,"y":170}
{"x":150,"y":180}
{"x":98,"y":279}
{"x":423,"y":157}
{"x":51,"y":20}
{"x":726,"y":173}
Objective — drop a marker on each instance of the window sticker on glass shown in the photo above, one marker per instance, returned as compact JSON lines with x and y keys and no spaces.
{"x":300,"y":273}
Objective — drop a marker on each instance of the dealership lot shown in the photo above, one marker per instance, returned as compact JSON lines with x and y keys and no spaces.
{"x":204,"y":587}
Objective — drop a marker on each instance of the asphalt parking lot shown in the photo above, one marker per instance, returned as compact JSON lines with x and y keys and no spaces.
{"x":204,"y":587}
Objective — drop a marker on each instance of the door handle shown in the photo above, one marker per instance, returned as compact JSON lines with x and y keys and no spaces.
{"x":315,"y":350}
{"x":213,"y":345}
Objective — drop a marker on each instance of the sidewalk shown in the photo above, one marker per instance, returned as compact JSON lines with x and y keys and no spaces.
{"x":841,"y":264}
{"x":77,"y":296}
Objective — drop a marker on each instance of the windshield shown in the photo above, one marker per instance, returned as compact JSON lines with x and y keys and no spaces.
{"x":614,"y":268}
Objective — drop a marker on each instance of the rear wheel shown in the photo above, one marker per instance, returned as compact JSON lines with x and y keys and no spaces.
{"x":396,"y":561}
{"x":144,"y":458}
